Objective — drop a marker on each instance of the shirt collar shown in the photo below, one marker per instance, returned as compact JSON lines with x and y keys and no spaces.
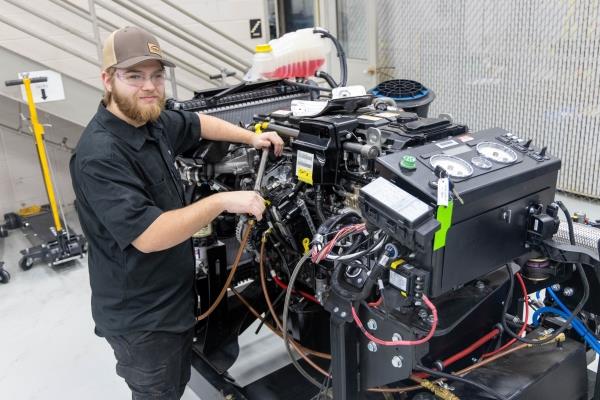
{"x":133,"y":136}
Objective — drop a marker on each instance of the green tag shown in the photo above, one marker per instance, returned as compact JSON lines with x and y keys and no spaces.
{"x":444,"y":216}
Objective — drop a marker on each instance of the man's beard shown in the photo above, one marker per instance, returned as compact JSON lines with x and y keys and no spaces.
{"x":135,"y":110}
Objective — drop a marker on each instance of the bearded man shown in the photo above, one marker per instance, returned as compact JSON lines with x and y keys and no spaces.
{"x":132,"y":210}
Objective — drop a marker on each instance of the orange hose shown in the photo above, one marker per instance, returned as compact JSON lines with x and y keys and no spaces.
{"x":236,"y":263}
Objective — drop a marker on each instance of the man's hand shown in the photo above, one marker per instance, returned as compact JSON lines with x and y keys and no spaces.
{"x":243,"y":202}
{"x":265,"y":139}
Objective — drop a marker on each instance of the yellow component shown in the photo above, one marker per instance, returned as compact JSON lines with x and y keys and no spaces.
{"x":29,"y":211}
{"x":439,"y":391}
{"x":306,"y":244}
{"x":396,"y":263}
{"x":38,"y":132}
{"x":265,"y":234}
{"x":304,"y":175}
{"x":404,"y":294}
{"x":263,"y":48}
{"x":259,"y":127}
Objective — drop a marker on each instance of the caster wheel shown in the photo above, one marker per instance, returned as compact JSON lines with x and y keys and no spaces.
{"x":13,"y":221}
{"x":26,"y":263}
{"x":3,"y":231}
{"x":4,"y":276}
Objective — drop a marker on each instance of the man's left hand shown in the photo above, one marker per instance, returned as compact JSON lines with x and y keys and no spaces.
{"x":265,"y":139}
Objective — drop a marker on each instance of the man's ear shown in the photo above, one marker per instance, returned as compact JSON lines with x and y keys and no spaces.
{"x":106,"y":81}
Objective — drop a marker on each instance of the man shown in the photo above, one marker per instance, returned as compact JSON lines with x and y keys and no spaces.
{"x":132,"y":211}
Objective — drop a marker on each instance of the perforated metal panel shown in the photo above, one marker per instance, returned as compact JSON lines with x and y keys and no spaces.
{"x":528,"y":66}
{"x":352,"y":28}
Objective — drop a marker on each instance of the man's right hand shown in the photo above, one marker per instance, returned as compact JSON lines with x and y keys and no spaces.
{"x":243,"y":202}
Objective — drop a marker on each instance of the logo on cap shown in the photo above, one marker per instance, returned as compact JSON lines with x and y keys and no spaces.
{"x":153,"y":48}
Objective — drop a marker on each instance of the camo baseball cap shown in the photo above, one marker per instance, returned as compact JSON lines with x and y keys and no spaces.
{"x":129,"y":46}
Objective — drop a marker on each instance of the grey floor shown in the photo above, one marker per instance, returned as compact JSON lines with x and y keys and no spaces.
{"x":47,"y":346}
{"x":48,"y":349}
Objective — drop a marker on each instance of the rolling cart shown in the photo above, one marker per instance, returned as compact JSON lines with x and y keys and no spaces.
{"x":52,"y":241}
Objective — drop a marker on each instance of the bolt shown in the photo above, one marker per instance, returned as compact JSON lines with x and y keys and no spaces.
{"x":423,"y":314}
{"x":555,"y":287}
{"x":336,"y":309}
{"x":372,"y":346}
{"x":372,"y":324}
{"x":396,"y":337}
{"x":480,"y":285}
{"x":229,"y":397}
{"x":430,"y":319}
{"x":397,"y":361}
{"x":568,"y":291}
{"x":343,"y":314}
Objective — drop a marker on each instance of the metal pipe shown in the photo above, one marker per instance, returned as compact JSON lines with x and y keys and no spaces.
{"x":92,"y":7}
{"x":189,"y":35}
{"x":207,"y":25}
{"x":103,"y":23}
{"x":173,"y":82}
{"x":27,"y":29}
{"x":151,"y":18}
{"x":283,"y":130}
{"x":45,"y":17}
{"x":366,"y":150}
{"x":261,"y":169}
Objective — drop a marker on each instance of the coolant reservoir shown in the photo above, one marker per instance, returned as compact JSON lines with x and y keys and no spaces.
{"x":294,"y":55}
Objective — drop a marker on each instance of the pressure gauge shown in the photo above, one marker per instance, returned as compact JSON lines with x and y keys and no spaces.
{"x":454,"y":166}
{"x":481,"y":162}
{"x":497,"y":152}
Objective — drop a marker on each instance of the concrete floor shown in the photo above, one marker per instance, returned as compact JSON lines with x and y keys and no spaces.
{"x":48,"y":349}
{"x":47,"y":346}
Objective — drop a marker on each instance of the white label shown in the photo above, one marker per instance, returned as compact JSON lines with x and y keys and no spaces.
{"x":398,"y":281}
{"x":348,"y":91}
{"x":51,"y":90}
{"x":442,"y":192}
{"x":307,"y":108}
{"x":282,"y":113}
{"x":370,"y":117}
{"x":447,"y":143}
{"x":304,"y":166}
{"x":387,"y":115}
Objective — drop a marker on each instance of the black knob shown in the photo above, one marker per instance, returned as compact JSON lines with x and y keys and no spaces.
{"x":528,"y":143}
{"x":543,"y":151}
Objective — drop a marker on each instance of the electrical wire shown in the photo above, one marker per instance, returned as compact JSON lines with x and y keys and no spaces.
{"x":576,"y":311}
{"x":456,"y":378}
{"x":286,"y":307}
{"x":381,"y":342}
{"x":234,"y":268}
{"x":523,"y":327}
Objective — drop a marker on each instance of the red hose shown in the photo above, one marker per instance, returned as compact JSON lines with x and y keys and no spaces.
{"x":401,"y":342}
{"x":284,"y":286}
{"x":522,"y":330}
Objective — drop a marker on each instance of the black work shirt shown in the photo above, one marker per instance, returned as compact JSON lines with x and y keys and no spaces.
{"x":124,"y":178}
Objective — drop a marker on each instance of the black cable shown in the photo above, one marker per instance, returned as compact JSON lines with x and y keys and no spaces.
{"x":340,"y":53}
{"x":286,"y":307}
{"x":330,"y":81}
{"x":304,"y":85}
{"x":576,"y":311}
{"x":319,"y":204}
{"x":457,"y":378}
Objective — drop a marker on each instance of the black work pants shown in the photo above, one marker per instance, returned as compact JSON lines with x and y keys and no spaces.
{"x":155,"y":365}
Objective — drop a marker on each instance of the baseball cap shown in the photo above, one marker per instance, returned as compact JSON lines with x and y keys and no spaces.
{"x":131,"y":45}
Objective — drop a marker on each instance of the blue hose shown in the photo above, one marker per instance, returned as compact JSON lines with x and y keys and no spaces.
{"x":579,"y":326}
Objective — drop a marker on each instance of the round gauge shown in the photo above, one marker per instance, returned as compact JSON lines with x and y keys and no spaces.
{"x":497,"y":152}
{"x":481,"y":162}
{"x":454,"y":166}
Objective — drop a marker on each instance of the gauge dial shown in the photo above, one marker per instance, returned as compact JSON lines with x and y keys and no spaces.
{"x":454,"y":166}
{"x":481,"y":162}
{"x":497,"y":152}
